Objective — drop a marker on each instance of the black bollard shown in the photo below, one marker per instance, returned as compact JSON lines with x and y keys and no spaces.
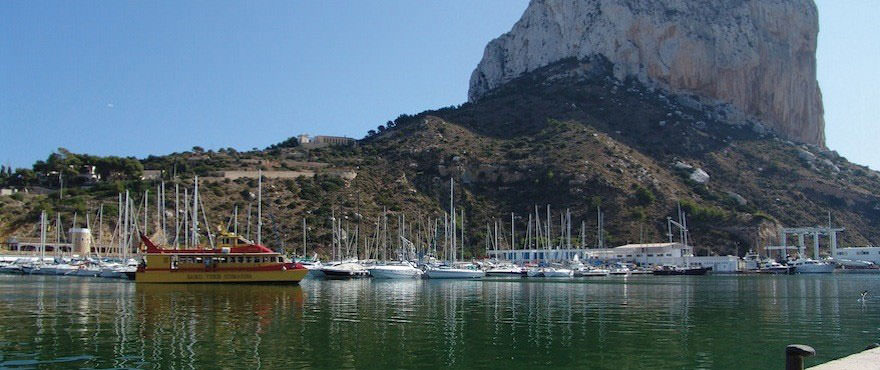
{"x":794,"y":356}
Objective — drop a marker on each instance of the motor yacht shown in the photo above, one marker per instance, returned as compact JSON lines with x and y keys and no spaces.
{"x":773,"y":267}
{"x":507,"y":269}
{"x":811,"y":266}
{"x":395,"y":270}
{"x":558,"y":272}
{"x":468,"y":271}
{"x":345,"y":270}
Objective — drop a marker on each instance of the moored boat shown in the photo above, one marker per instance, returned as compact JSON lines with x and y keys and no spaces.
{"x":236,"y":260}
{"x":681,"y":270}
{"x":344,"y":270}
{"x":773,"y":267}
{"x":400,"y":270}
{"x":535,"y":272}
{"x":558,"y":272}
{"x":506,"y":270}
{"x":447,"y":272}
{"x":313,"y":265}
{"x":857,"y":266}
{"x":811,"y":266}
{"x":592,"y":272}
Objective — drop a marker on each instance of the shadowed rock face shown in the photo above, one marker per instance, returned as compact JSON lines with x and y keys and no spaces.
{"x":757,"y":55}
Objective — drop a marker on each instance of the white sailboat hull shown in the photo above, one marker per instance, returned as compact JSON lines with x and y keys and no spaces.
{"x":455,"y":274}
{"x":345,"y":270}
{"x":557,"y":273}
{"x":504,"y":272}
{"x":395,"y":272}
{"x":819,"y":268}
{"x":86,"y":271}
{"x":535,"y":273}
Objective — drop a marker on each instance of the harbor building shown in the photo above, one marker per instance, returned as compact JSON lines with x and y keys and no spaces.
{"x":870,"y":254}
{"x":647,"y":255}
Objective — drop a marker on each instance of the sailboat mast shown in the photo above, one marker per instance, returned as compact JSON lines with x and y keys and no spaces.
{"x":42,"y":236}
{"x":164,"y":216}
{"x":119,"y":224}
{"x":159,"y":209}
{"x":235,"y":220}
{"x":537,"y":228}
{"x":568,"y":228}
{"x":125,"y":245}
{"x":304,"y":236}
{"x":194,"y":218}
{"x":176,"y":213}
{"x":452,"y":216}
{"x":100,"y":225}
{"x":583,"y":233}
{"x":462,"y":234}
{"x":496,"y":235}
{"x":599,"y":226}
{"x":146,"y":207}
{"x":248,"y":226}
{"x":549,"y":228}
{"x":446,"y":238}
{"x":512,"y":232}
{"x":58,"y":228}
{"x":260,"y":207}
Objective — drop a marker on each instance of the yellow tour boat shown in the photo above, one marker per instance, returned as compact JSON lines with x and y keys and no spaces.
{"x":235,"y":260}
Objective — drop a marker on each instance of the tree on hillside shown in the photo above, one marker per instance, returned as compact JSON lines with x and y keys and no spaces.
{"x":23,"y":177}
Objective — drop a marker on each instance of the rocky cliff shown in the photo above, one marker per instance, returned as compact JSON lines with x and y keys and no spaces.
{"x":758,"y":56}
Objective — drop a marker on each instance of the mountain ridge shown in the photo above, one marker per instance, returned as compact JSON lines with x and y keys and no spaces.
{"x":756,"y":56}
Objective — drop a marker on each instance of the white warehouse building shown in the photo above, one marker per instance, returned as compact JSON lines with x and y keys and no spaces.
{"x":646,"y":255}
{"x":870,"y":254}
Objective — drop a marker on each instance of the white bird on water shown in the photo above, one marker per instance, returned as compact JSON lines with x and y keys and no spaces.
{"x":864,"y":296}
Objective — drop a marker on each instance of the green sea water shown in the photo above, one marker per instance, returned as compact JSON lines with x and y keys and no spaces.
{"x":678,"y":322}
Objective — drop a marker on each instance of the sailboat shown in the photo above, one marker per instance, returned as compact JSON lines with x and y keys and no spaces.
{"x":455,"y":270}
{"x":581,"y":270}
{"x":36,"y":267}
{"x":350,"y":268}
{"x":506,"y":269}
{"x":402,"y":268}
{"x":312,"y":264}
{"x":233,"y":259}
{"x":395,"y":270}
{"x":557,"y":271}
{"x":346,"y":268}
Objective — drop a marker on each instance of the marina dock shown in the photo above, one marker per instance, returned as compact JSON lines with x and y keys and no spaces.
{"x":867,"y":359}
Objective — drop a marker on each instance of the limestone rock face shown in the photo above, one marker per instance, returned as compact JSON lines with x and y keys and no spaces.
{"x":757,"y":55}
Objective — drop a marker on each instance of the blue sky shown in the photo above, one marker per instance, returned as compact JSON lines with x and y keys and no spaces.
{"x":138,"y":77}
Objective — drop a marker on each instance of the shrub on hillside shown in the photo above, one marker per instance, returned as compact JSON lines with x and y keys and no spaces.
{"x":702,"y":214}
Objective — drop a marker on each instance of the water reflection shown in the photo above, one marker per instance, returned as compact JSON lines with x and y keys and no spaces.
{"x":674,"y":322}
{"x":200,"y":324}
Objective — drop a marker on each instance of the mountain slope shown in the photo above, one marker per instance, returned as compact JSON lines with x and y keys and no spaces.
{"x":569,"y":135}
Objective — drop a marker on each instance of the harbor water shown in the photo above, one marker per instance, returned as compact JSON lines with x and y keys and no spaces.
{"x":719,"y":322}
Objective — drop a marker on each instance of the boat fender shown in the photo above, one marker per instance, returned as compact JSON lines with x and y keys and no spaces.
{"x":283,"y":268}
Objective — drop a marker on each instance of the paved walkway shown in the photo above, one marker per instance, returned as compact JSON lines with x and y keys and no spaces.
{"x":869,"y":359}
